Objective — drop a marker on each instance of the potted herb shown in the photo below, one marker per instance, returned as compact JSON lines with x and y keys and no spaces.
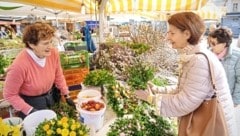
{"x":64,"y":110}
{"x":139,"y":74}
{"x":99,"y":78}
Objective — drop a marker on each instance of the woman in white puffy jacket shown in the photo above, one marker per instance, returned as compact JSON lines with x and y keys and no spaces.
{"x":194,"y":85}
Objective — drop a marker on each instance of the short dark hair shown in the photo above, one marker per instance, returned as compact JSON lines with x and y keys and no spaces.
{"x":191,"y":22}
{"x":223,"y":35}
{"x":33,"y":33}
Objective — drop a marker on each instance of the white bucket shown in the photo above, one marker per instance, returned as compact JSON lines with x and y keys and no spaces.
{"x":93,"y":119}
{"x":13,"y":121}
{"x":31,"y":122}
{"x":89,"y":94}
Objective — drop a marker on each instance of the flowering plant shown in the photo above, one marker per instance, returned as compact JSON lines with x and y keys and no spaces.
{"x":61,"y":127}
{"x":9,"y":129}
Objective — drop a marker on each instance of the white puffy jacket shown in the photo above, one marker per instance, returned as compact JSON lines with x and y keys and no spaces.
{"x":195,"y":86}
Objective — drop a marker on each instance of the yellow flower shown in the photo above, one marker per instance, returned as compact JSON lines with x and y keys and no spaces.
{"x":65,"y":125}
{"x":80,"y":132}
{"x":59,"y":130}
{"x":73,"y":133}
{"x":49,"y":132}
{"x":59,"y":123}
{"x":64,"y":120}
{"x":46,"y":127}
{"x":65,"y":132}
{"x":73,"y":127}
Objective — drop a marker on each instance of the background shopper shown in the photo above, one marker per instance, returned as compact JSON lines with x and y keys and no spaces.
{"x":220,"y":43}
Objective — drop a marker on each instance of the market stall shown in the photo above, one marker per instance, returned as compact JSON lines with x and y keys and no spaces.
{"x":120,"y":68}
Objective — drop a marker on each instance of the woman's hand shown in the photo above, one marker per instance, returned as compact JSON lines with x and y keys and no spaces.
{"x":142,"y":94}
{"x":145,"y":95}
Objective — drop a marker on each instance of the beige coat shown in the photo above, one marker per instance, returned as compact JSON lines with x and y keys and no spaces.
{"x":195,"y":86}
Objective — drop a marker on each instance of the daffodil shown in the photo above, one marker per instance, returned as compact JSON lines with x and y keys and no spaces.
{"x":46,"y":127}
{"x":72,"y":133}
{"x":7,"y":129}
{"x":65,"y":132}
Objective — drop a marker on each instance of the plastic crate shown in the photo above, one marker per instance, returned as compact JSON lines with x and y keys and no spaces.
{"x":75,"y":76}
{"x":75,"y":46}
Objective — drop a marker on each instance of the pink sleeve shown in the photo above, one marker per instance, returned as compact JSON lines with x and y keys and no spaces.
{"x":12,"y":87}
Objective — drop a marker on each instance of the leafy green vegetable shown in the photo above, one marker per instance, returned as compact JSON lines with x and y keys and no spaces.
{"x":99,"y":77}
{"x":64,"y":110}
{"x":143,"y":122}
{"x":4,"y":62}
{"x":160,"y":81}
{"x":139,"y":74}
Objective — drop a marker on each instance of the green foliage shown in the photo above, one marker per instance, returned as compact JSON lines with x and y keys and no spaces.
{"x":139,"y":48}
{"x":139,"y":74}
{"x":99,"y":77}
{"x":64,"y":110}
{"x":121,"y":99}
{"x":63,"y":126}
{"x":160,"y":81}
{"x":4,"y":62}
{"x":142,"y":122}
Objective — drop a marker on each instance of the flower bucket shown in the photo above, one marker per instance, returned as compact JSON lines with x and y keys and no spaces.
{"x":31,"y":122}
{"x":89,"y":94}
{"x":15,"y":126}
{"x":93,"y":119}
{"x":13,"y":121}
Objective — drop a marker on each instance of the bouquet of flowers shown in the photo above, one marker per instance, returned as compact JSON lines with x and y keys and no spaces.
{"x":63,"y":126}
{"x":8,"y":129}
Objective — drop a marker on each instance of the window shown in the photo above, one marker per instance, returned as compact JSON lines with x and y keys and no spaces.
{"x":235,"y":7}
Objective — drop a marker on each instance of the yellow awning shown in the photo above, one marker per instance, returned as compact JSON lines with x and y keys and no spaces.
{"x":114,"y":6}
{"x":117,"y":6}
{"x":210,"y":11}
{"x":153,"y":15}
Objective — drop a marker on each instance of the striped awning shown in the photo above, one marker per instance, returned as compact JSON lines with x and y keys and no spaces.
{"x":157,"y":16}
{"x":117,"y":6}
{"x":210,"y":12}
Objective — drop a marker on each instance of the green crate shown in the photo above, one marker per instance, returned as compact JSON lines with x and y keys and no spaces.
{"x":75,"y":46}
{"x":74,"y":59}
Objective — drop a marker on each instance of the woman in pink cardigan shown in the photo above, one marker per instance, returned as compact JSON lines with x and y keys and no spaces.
{"x":29,"y":80}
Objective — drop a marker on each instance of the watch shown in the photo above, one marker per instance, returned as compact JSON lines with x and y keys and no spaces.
{"x":66,"y":96}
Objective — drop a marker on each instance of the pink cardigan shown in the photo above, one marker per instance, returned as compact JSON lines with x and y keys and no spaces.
{"x":26,"y":77}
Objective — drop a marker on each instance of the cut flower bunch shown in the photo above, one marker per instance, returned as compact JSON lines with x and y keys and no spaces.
{"x":62,"y":127}
{"x":8,"y":129}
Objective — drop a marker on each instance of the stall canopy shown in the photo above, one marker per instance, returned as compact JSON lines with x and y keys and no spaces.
{"x":210,"y":12}
{"x":114,"y":6}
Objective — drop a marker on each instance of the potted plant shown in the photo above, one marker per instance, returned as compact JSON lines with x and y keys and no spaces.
{"x":139,"y":74}
{"x":11,"y":126}
{"x":99,"y":78}
{"x":63,"y":126}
